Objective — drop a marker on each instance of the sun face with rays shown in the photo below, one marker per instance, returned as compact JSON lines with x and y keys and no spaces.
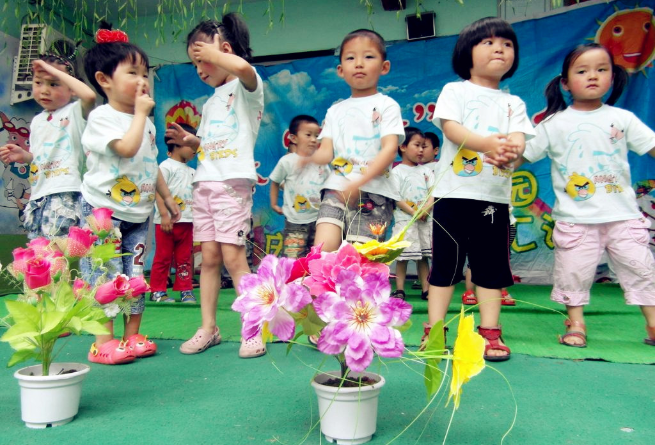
{"x":630,"y":36}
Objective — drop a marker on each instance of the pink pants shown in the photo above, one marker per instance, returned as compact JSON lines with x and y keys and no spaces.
{"x":578,"y":248}
{"x":177,"y":246}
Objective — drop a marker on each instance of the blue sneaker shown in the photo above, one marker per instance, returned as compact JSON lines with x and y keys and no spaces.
{"x":188,"y":297}
{"x":161,"y":297}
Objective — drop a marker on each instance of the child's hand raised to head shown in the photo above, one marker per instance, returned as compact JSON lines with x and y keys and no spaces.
{"x":204,"y":51}
{"x":41,"y":67}
{"x":143,"y":103}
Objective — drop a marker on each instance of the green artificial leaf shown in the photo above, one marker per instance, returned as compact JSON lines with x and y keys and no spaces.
{"x":105,"y":252}
{"x":64,"y":297}
{"x":51,"y":321}
{"x":404,"y":327}
{"x":95,"y":328}
{"x":309,"y":320}
{"x":22,"y":356}
{"x":75,"y":325}
{"x":435,"y":346}
{"x":22,"y":312}
{"x":21,"y":331}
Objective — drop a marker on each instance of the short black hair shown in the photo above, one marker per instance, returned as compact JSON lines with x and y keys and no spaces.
{"x":231,"y":29}
{"x":377,"y":39}
{"x":436,"y":143}
{"x":410,"y":132}
{"x":300,"y":119}
{"x":475,"y":33}
{"x":172,"y":146}
{"x":105,"y":57}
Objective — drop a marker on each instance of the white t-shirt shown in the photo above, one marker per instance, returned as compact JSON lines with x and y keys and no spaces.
{"x":125,"y":185}
{"x":589,"y":162}
{"x":413,"y":185}
{"x":55,"y":144}
{"x":228,"y":131}
{"x":302,"y":188}
{"x":462,"y":173}
{"x":179,"y":178}
{"x":356,"y":127}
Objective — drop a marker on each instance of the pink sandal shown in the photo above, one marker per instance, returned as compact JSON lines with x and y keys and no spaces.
{"x":580,"y":333}
{"x":141,"y":345}
{"x":651,"y":335}
{"x":253,"y":347}
{"x":491,"y":335}
{"x":114,"y":352}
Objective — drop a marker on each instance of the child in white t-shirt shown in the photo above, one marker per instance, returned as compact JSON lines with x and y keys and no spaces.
{"x":302,"y":187}
{"x":56,"y":156}
{"x":413,"y":182}
{"x":359,"y":141}
{"x":174,"y":241}
{"x":122,"y":175}
{"x":224,"y":179}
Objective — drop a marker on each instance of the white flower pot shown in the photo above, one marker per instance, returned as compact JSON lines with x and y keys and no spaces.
{"x":348,"y":415}
{"x":51,"y":400}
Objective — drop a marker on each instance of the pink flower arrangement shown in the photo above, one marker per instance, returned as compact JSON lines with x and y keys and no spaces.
{"x":341,"y":295}
{"x":69,"y":304}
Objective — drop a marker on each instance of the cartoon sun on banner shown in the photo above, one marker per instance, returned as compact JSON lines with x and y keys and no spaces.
{"x":630,"y":36}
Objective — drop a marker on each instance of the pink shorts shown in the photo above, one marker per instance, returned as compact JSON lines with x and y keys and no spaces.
{"x":222,"y":211}
{"x":578,"y":248}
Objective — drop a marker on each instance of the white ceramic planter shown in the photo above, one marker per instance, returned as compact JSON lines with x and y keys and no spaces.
{"x":51,"y":400}
{"x":348,"y":415}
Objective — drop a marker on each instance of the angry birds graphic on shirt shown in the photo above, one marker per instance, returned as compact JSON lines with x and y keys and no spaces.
{"x":125,"y":192}
{"x":342,"y":166}
{"x":580,"y":188}
{"x":467,"y":163}
{"x":180,"y":202}
{"x":301,"y":204}
{"x":34,"y":174}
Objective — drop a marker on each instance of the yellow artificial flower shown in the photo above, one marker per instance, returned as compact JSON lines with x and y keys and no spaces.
{"x":384,"y":252}
{"x":468,"y":358}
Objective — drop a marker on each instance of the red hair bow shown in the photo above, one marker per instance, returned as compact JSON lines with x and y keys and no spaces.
{"x":109,"y":36}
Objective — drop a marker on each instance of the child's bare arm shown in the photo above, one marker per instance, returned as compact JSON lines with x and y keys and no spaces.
{"x":402,"y":205}
{"x":14,"y":153}
{"x":381,"y":162}
{"x":275,"y":192}
{"x":169,"y":202}
{"x":79,"y":88}
{"x":129,"y":146}
{"x":166,"y":224}
{"x":179,"y":136}
{"x":215,"y":54}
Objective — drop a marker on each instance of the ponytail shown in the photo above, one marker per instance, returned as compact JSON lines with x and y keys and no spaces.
{"x":554,"y":97}
{"x":618,"y":84}
{"x":232,"y":30}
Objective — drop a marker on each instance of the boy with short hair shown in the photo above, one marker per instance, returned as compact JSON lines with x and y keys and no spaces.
{"x":359,"y":141}
{"x":302,"y":187}
{"x":174,"y":241}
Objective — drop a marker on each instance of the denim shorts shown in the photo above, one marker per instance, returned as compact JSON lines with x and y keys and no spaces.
{"x":133,"y":244}
{"x":52,"y":215}
{"x":366,"y":221}
{"x":298,"y":239}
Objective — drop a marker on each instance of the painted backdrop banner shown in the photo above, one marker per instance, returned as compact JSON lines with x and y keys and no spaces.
{"x":418,"y":72}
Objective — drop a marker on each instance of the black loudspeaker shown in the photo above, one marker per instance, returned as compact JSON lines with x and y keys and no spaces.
{"x":420,"y":28}
{"x":394,"y":5}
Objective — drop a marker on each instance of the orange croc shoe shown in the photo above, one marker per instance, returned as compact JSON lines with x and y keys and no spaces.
{"x":113,"y":352}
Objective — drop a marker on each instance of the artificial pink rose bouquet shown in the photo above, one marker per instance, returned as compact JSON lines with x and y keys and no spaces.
{"x":55,"y":301}
{"x":341,"y":296}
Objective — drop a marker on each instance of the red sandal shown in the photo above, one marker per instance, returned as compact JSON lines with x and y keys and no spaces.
{"x":114,"y":352}
{"x":506,"y":299}
{"x":491,"y":335}
{"x":141,"y":346}
{"x":469,"y":298}
{"x":426,"y":333}
{"x":580,"y":334}
{"x":651,"y":335}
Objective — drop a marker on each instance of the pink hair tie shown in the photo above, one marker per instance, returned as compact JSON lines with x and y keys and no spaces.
{"x":109,"y":36}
